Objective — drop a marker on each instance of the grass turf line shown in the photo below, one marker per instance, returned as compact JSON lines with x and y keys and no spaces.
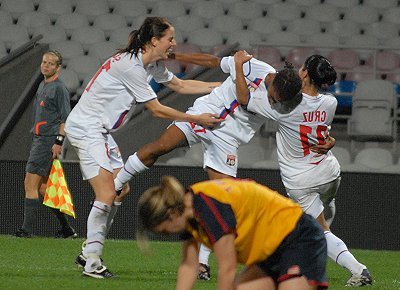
{"x":46,"y":263}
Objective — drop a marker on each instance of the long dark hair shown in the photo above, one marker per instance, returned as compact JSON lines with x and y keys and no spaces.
{"x":287,"y":83}
{"x":320,"y":71}
{"x":151,"y":27}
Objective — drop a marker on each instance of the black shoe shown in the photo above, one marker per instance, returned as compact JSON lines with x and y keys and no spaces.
{"x":80,"y":260}
{"x":204,"y":272}
{"x":21,"y":233}
{"x":66,"y":233}
{"x":101,"y":272}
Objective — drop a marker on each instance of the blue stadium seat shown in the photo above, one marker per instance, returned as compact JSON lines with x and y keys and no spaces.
{"x":343,"y":90}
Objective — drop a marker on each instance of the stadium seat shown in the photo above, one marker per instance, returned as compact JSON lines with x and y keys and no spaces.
{"x":265,"y":26}
{"x":305,"y":3}
{"x":362,"y":43}
{"x":362,"y":14}
{"x":71,"y":80}
{"x":246,"y":38}
{"x":343,"y":29}
{"x":381,"y":4}
{"x":33,"y":19}
{"x":392,"y":43}
{"x":13,"y":35}
{"x":392,"y":15}
{"x":17,"y":7}
{"x":226,"y":24}
{"x":188,"y":4}
{"x":343,"y":91}
{"x":284,"y":12}
{"x":84,"y":66}
{"x":382,"y":30}
{"x":120,"y":36}
{"x":344,"y":59}
{"x":51,"y":33}
{"x":342,"y":154}
{"x":5,"y":18}
{"x":371,"y":160}
{"x":385,"y":61}
{"x":326,"y":42}
{"x":268,"y":54}
{"x":169,"y":9}
{"x":342,"y":5}
{"x":188,"y":23}
{"x":92,"y":8}
{"x":89,"y":35}
{"x":304,"y":27}
{"x":130,"y":10}
{"x":208,"y":10}
{"x":68,"y":49}
{"x":298,"y":55}
{"x":55,"y":8}
{"x":72,"y":21}
{"x":361,"y":73}
{"x":373,"y":104}
{"x":103,"y":50}
{"x":205,"y":38}
{"x":323,"y":13}
{"x":284,"y":41}
{"x":109,"y":22}
{"x":187,"y":47}
{"x":246,"y":11}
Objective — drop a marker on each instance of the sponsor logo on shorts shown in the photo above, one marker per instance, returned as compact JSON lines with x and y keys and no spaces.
{"x":230,"y":160}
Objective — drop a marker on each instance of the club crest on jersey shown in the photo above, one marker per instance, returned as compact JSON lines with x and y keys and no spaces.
{"x":230,"y":160}
{"x":252,"y":86}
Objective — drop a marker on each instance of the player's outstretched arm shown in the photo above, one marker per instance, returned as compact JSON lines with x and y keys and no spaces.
{"x":191,"y":86}
{"x":203,"y":59}
{"x":187,"y":272}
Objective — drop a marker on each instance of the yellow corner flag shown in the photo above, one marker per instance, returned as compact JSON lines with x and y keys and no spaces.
{"x":57,"y":193}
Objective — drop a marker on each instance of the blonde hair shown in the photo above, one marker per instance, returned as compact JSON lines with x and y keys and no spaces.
{"x":156,"y":203}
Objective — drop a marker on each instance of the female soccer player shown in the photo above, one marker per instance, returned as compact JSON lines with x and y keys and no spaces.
{"x":243,"y":222}
{"x":106,"y":104}
{"x":311,"y":179}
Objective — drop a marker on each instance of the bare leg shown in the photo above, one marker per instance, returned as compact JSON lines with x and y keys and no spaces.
{"x":254,"y":278}
{"x":172,"y":138}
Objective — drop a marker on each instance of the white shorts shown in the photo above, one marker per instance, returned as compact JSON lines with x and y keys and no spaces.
{"x":218,"y":154}
{"x":97,"y":152}
{"x":314,"y":200}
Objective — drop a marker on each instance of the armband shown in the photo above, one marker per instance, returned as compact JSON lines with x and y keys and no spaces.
{"x":59,"y":139}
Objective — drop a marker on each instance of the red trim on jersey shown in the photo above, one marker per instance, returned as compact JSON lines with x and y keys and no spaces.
{"x":216,"y":214}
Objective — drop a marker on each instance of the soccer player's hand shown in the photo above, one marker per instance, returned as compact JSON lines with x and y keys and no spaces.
{"x":324,"y":148}
{"x":208,"y":120}
{"x":242,"y":56}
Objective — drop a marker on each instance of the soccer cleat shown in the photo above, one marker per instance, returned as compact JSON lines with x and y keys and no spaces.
{"x":80,"y":260}
{"x":21,"y":233}
{"x":359,"y":280}
{"x":66,"y":233}
{"x":101,"y":272}
{"x":204,"y":272}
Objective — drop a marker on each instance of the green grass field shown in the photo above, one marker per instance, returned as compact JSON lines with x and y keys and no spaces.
{"x":45,"y":263}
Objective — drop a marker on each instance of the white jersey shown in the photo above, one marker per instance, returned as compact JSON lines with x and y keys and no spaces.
{"x":308,"y":124}
{"x":239,"y":125}
{"x":112,"y":94}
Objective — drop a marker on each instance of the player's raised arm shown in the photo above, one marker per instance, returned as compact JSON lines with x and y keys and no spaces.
{"x":191,"y":86}
{"x":242,"y":92}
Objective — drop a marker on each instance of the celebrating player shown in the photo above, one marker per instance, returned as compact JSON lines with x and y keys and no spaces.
{"x":310,"y":178}
{"x":106,"y":104}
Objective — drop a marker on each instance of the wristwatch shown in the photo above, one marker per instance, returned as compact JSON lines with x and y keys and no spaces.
{"x":59,"y":139}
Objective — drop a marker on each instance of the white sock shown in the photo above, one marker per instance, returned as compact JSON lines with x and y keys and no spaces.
{"x":96,"y":234}
{"x":330,"y":212}
{"x":111,"y":216}
{"x":132,"y":166}
{"x":204,"y":254}
{"x":338,"y":252}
